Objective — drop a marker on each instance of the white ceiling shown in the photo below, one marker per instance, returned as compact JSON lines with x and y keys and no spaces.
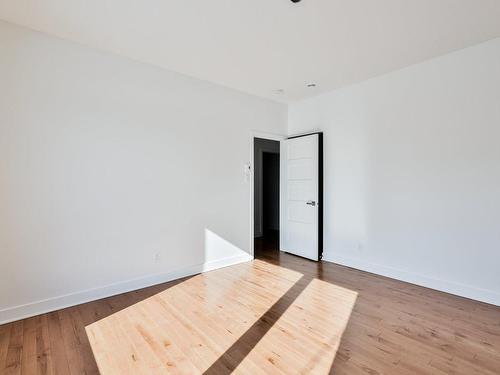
{"x":259,"y":46}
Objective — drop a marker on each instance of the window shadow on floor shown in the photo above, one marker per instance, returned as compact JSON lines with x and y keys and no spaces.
{"x":233,"y":356}
{"x":266,"y":249}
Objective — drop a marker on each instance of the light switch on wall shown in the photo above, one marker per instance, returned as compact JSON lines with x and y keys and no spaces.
{"x":247,"y":169}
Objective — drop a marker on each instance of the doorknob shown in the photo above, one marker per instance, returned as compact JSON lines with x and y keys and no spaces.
{"x":311,"y":203}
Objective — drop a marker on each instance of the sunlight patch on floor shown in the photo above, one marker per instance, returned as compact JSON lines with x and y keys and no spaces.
{"x":253,"y":317}
{"x":307,"y":336}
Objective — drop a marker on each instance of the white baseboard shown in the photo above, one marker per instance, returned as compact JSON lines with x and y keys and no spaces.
{"x":462,"y":290}
{"x":56,"y":303}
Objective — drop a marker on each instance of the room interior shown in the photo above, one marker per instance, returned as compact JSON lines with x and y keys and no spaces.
{"x":259,"y":187}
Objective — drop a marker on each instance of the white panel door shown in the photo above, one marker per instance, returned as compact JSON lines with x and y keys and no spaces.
{"x":299,"y":196}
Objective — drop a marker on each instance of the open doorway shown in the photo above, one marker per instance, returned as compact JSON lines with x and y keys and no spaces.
{"x":266,"y":197}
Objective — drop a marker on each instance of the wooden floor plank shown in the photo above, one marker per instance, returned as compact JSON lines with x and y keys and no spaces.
{"x":28,"y":363}
{"x":14,"y":352}
{"x":58,"y":349}
{"x":4,"y":344}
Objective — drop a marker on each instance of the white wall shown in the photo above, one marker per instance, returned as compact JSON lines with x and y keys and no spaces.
{"x":115,"y":174}
{"x":412,"y":172}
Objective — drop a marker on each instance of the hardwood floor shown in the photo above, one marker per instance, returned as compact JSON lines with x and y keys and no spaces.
{"x":280,"y":314}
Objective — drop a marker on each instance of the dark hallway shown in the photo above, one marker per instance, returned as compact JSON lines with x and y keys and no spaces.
{"x":266,"y":195}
